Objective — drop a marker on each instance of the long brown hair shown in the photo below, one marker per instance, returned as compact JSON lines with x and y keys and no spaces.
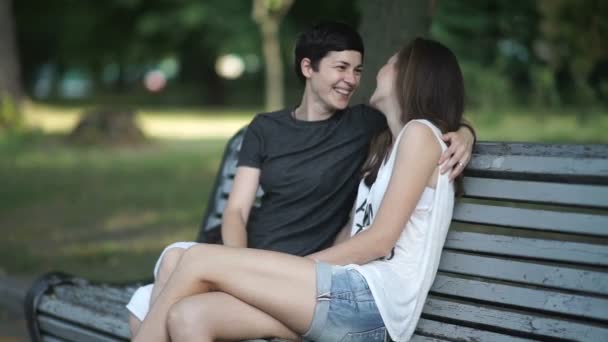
{"x":428,"y":85}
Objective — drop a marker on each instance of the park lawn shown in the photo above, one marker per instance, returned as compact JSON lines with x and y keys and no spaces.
{"x":100,"y":212}
{"x":106,"y":212}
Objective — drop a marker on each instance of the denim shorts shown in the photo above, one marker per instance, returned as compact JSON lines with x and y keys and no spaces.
{"x":345,"y":310}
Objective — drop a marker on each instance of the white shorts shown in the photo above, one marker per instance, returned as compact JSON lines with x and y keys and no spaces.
{"x":140,"y":301}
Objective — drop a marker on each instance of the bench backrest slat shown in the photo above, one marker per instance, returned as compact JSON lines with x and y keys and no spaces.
{"x":583,"y":163}
{"x":533,"y":219}
{"x":530,"y":248}
{"x":550,"y":301}
{"x":537,"y":192}
{"x":513,"y":320}
{"x":525,"y":272}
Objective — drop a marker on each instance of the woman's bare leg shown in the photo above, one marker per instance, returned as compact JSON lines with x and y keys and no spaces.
{"x":134,"y":324}
{"x":281,"y":285}
{"x":220,"y":316}
{"x":167,"y":264}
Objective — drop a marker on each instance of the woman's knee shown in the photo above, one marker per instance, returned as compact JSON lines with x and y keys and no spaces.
{"x":168,"y":263}
{"x":186,"y":321}
{"x":201,"y":254}
{"x":134,"y":324}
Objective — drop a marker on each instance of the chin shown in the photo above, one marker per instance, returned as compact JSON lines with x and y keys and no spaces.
{"x":341,"y":105}
{"x":373,"y":102}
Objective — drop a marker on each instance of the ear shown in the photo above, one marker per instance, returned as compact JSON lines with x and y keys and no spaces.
{"x":306,"y":67}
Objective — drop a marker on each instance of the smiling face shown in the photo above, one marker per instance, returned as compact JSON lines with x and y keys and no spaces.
{"x":336,"y":79}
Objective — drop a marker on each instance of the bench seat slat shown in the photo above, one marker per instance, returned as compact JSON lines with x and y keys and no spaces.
{"x":47,"y":338}
{"x":70,"y":332}
{"x":531,"y":273}
{"x":451,"y":332}
{"x":538,"y":192}
{"x":535,"y":324}
{"x":419,"y":338}
{"x":548,"y":301}
{"x":565,"y":251}
{"x":89,"y":299}
{"x":533,"y":219}
{"x":112,"y":324}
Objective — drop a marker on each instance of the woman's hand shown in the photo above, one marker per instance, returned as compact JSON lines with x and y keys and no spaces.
{"x":459,"y":152}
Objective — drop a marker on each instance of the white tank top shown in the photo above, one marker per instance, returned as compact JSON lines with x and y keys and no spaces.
{"x":400,"y":282}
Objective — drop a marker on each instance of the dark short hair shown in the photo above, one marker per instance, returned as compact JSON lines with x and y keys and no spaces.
{"x":323,"y":38}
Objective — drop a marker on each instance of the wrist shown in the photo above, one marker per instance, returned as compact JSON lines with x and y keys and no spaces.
{"x":470,"y":129}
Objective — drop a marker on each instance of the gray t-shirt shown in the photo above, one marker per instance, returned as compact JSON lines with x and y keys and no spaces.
{"x":309,"y":173}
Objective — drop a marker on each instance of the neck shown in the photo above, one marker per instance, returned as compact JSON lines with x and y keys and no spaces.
{"x":393,"y":118}
{"x":312,"y":108}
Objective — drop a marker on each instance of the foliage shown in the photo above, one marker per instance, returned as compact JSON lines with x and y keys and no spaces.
{"x":10,"y":114}
{"x":549,"y":52}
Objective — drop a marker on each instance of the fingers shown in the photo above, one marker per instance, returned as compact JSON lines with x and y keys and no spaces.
{"x":448,"y":137}
{"x":457,"y":170}
{"x":454,"y":154}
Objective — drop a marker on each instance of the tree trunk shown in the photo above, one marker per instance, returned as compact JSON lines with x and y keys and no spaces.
{"x":10,"y":83}
{"x":387,"y":25}
{"x":268,"y":15}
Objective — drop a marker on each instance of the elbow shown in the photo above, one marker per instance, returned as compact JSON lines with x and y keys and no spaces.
{"x":382,"y":248}
{"x":385,"y":250}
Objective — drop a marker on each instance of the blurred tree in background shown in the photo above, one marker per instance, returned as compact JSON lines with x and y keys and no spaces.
{"x":547,"y":53}
{"x":10,"y":82}
{"x":405,"y":20}
{"x":268,"y":14}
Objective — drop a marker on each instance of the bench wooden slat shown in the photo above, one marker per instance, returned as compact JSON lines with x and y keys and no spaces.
{"x":111,"y":324}
{"x":538,"y":192}
{"x":70,"y":332}
{"x":534,"y":219}
{"x":47,"y":338}
{"x":541,"y":160}
{"x":529,"y":298}
{"x":419,"y":338}
{"x":571,"y":252}
{"x":451,"y":332}
{"x":531,"y":273}
{"x":533,"y":324}
{"x":102,"y":303}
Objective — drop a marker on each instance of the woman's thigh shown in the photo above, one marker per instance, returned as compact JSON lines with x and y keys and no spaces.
{"x":279,"y":284}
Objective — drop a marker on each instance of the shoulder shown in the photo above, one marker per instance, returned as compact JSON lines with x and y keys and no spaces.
{"x":365,"y":110}
{"x":371,"y":118}
{"x":418,"y":136}
{"x":261,"y":120}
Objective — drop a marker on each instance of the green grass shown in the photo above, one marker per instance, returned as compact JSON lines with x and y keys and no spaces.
{"x":100,"y":212}
{"x":106,"y":212}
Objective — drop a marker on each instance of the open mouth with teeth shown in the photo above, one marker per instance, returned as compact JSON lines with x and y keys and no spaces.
{"x":344,"y":92}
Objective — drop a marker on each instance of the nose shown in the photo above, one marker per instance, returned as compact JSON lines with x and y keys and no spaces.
{"x":351,"y":78}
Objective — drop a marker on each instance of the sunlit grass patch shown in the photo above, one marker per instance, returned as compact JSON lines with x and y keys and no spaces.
{"x":156,"y":123}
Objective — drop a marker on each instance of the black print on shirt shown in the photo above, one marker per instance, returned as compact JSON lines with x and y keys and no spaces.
{"x":368,"y":215}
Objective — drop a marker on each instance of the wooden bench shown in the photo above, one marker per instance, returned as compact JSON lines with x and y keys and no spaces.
{"x":526,"y":257}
